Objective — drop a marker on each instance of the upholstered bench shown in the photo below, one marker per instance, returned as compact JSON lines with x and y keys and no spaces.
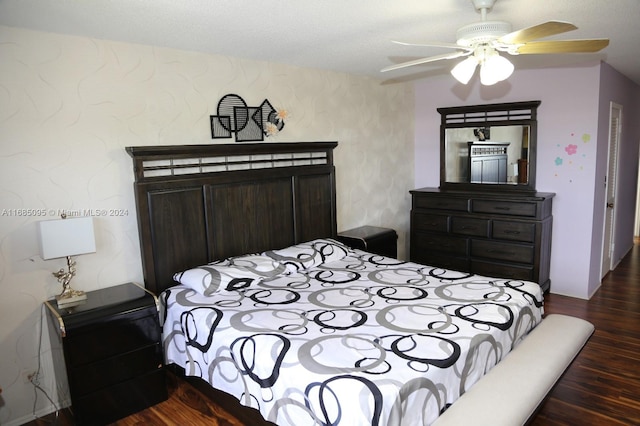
{"x":512,"y":391}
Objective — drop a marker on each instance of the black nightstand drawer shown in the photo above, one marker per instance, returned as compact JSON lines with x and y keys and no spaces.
{"x":112,"y":353}
{"x":126,"y":334}
{"x":115,"y":402}
{"x":110,"y":371}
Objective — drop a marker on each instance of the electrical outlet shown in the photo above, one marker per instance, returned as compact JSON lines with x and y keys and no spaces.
{"x":30,"y":376}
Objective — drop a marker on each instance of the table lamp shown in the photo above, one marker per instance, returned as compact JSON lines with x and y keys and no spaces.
{"x":65,"y":238}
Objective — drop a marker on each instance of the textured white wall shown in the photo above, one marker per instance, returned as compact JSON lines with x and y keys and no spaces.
{"x":70,"y":105}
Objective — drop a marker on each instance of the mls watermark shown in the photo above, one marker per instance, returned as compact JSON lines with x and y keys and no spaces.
{"x":24,"y":212}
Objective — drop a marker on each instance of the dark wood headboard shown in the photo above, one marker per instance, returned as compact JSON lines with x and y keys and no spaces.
{"x":199,"y":203}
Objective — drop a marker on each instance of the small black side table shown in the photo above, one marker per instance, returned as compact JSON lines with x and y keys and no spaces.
{"x":382,"y":241}
{"x":109,"y":350}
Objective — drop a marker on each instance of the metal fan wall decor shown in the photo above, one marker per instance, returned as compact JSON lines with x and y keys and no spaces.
{"x":247,"y":123}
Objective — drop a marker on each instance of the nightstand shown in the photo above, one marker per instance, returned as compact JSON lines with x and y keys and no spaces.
{"x":111,"y":353}
{"x":382,"y":241}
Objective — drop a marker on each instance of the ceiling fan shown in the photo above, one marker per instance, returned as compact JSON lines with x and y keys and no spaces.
{"x":482,"y":41}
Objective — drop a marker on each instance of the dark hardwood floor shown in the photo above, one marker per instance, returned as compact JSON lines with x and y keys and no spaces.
{"x":601,"y":387}
{"x":185,"y":406}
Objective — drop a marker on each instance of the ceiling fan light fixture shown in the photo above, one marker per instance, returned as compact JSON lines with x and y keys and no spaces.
{"x":486,"y":39}
{"x":495,"y":68}
{"x":465,"y":69}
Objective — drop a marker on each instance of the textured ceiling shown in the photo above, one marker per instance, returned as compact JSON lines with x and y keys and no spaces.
{"x":343,"y":35}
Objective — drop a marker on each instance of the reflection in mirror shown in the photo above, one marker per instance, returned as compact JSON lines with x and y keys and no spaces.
{"x":489,"y":147}
{"x":491,"y":155}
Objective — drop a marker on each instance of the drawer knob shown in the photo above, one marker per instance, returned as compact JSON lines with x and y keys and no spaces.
{"x":506,"y":209}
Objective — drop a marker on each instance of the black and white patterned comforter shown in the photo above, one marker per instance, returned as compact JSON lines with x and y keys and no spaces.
{"x":348,"y":338}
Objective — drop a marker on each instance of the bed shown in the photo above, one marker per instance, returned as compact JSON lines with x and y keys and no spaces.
{"x":261,"y":302}
{"x":487,"y":162}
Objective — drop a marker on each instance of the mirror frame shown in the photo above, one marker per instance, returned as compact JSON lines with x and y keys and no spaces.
{"x":490,"y":115}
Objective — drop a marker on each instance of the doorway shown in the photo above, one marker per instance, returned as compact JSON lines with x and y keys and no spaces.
{"x":608,"y":243}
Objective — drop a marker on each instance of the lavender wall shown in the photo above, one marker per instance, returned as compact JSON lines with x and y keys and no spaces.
{"x":570,"y":142}
{"x":614,"y":87}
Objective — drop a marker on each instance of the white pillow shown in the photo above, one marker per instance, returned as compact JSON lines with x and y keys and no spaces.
{"x":258,"y":264}
{"x":210,"y":279}
{"x":232,"y":274}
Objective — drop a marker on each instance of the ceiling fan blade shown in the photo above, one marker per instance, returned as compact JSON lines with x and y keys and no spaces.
{"x":563,"y":46}
{"x":537,"y":31}
{"x":430,"y":44}
{"x":451,"y":55}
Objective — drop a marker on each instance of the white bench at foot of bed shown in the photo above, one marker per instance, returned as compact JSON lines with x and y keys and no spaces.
{"x":512,"y":391}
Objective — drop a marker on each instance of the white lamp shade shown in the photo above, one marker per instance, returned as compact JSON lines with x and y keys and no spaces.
{"x":465,"y":69}
{"x":66,"y":237}
{"x":494,"y":69}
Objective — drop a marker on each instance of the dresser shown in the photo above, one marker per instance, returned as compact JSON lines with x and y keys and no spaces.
{"x":505,"y":235}
{"x":109,"y":351}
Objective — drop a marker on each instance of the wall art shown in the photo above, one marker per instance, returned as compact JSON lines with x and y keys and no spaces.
{"x":247,"y":123}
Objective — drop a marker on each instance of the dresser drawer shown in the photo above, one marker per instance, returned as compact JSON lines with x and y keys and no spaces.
{"x":110,"y":371}
{"x":441,"y":203}
{"x":430,"y":222}
{"x":514,"y":231}
{"x":511,"y":208}
{"x":518,"y":253}
{"x":470,"y":226}
{"x":439,"y":243}
{"x":501,"y":270}
{"x":442,"y":261}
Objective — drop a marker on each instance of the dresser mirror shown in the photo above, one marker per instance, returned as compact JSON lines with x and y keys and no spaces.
{"x":489,"y":147}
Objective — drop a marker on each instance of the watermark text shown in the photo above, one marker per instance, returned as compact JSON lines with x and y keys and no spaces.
{"x":25,"y":212}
